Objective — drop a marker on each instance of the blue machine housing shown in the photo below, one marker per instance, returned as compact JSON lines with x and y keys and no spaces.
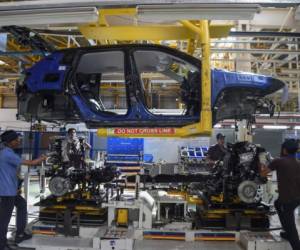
{"x":51,"y":91}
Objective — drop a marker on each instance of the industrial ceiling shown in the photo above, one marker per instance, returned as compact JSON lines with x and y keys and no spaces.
{"x":257,"y":36}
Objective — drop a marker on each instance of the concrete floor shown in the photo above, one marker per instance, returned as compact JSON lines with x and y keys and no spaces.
{"x":150,"y":244}
{"x":178,"y":245}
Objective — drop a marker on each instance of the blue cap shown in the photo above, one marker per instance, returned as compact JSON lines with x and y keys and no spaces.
{"x":9,"y":136}
{"x":220,"y":136}
{"x":291,"y":145}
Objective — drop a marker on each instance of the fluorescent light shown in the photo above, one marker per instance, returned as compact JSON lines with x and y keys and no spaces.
{"x":48,"y":16}
{"x":162,"y":13}
{"x":275,"y":127}
{"x":297,"y":127}
{"x":92,"y":42}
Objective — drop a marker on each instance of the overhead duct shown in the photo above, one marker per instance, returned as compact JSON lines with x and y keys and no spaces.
{"x":161,"y":13}
{"x":41,"y":16}
{"x":13,"y":5}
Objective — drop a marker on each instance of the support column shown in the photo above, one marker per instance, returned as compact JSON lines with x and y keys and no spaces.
{"x":242,"y":63}
{"x":242,"y":60}
{"x":244,"y":133}
{"x":1,"y":101}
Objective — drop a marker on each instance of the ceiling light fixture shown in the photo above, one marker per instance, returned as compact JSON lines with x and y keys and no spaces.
{"x":275,"y":127}
{"x":41,"y":16}
{"x":163,"y":13}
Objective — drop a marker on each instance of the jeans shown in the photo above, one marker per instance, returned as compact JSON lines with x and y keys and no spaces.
{"x":286,"y":215}
{"x":21,"y":217}
{"x":7,"y":204}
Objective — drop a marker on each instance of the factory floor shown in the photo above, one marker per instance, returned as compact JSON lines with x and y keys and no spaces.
{"x":147,"y":244}
{"x":178,"y":245}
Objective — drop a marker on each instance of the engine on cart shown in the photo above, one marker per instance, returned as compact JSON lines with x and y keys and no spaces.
{"x":75,"y":183}
{"x":236,"y":179}
{"x":76,"y":173}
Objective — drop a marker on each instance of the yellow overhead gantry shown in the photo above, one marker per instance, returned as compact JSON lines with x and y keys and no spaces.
{"x":196,"y":32}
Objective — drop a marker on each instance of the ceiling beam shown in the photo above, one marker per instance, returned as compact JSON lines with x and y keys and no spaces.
{"x":256,"y":51}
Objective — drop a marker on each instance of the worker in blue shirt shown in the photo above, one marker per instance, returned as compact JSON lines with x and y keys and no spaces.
{"x":10,"y":163}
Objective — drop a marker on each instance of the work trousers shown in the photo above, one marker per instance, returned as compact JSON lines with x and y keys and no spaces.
{"x":7,"y":204}
{"x":286,"y":215}
{"x":21,"y":217}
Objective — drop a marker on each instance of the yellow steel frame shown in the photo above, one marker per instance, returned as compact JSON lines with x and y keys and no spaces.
{"x":204,"y":126}
{"x":12,"y":44}
{"x":101,"y":31}
{"x":153,"y":33}
{"x":196,"y":33}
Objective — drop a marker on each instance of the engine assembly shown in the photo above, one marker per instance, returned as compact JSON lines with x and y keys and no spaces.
{"x":76,"y":172}
{"x":229,"y":195}
{"x":75,"y":186}
{"x":236,"y":178}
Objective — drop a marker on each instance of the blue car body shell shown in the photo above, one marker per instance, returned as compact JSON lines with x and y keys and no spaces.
{"x":53,"y":74}
{"x":37,"y":74}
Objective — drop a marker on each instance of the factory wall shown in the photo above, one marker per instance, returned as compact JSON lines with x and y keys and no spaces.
{"x":167,"y":149}
{"x":161,"y":149}
{"x":270,"y":139}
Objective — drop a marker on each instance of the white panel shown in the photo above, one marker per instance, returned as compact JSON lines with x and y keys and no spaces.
{"x":167,"y":149}
{"x":8,"y":120}
{"x":274,"y":18}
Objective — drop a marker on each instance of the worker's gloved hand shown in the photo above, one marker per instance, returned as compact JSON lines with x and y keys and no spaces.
{"x":43,"y":157}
